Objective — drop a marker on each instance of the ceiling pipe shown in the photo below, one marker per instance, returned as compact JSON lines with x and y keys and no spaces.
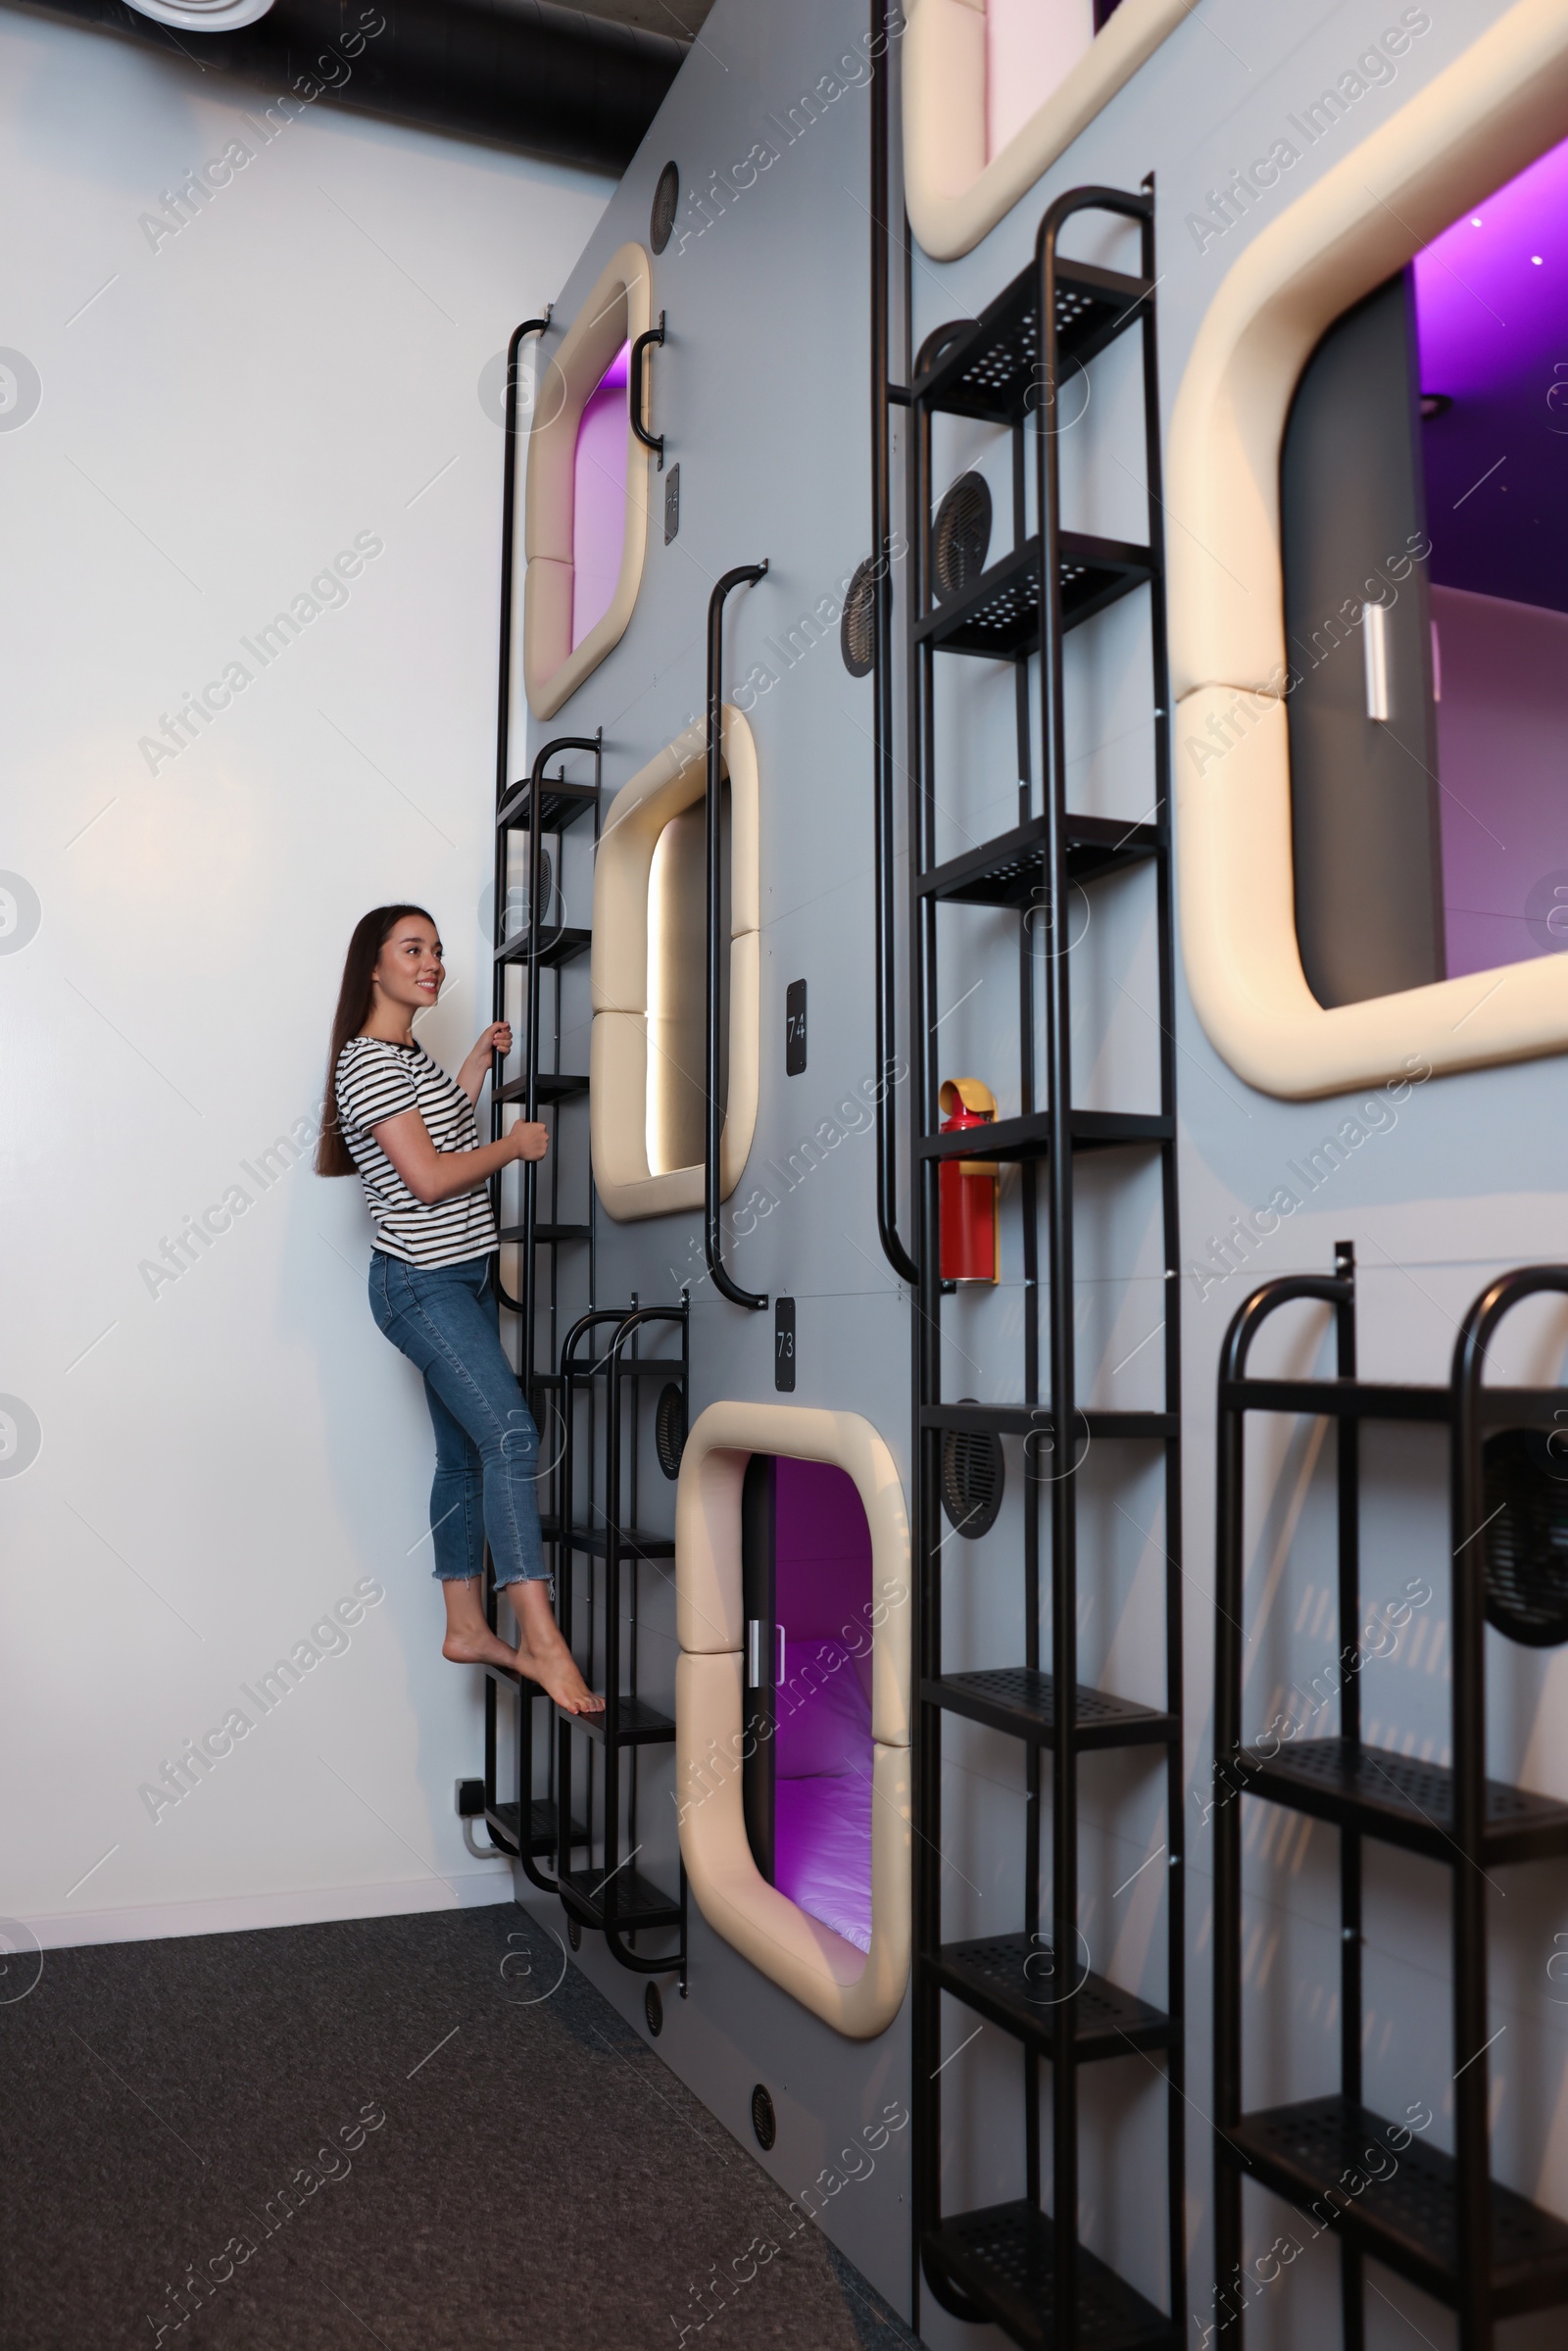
{"x":527,"y":73}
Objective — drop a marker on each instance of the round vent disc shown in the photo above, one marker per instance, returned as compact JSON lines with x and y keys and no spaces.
{"x":662,"y":220}
{"x":858,"y":628}
{"x":670,"y":1427}
{"x":653,"y":2009}
{"x":960,"y":536}
{"x":973,"y":1479}
{"x":1527,"y":1537}
{"x":763,"y":2120}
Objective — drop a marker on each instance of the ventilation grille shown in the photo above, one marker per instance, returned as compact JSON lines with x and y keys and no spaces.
{"x":1527,"y":1536}
{"x":960,"y":536}
{"x":654,"y":2010}
{"x":662,"y":220}
{"x":858,"y":628}
{"x":973,"y":1479}
{"x":763,"y":2120}
{"x":670,"y":1427}
{"x":517,"y":908}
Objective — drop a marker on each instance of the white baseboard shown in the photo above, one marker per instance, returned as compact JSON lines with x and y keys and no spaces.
{"x":239,"y":1914}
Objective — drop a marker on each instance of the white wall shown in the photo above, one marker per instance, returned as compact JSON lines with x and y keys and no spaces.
{"x":225,"y":1455}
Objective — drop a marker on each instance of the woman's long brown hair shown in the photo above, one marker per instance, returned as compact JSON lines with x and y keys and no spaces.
{"x":371,"y":934}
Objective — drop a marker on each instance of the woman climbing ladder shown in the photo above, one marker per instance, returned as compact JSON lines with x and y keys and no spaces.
{"x":408,"y":1129}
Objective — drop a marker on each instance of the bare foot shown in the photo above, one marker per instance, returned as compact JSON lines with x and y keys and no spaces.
{"x":480,"y":1648}
{"x":555,"y":1669}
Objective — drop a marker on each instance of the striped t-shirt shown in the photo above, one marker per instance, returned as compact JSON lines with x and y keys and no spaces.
{"x":375,"y":1080}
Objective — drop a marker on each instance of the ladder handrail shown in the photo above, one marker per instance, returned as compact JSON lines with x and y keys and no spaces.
{"x":1468,"y":1700}
{"x":714,"y":1123}
{"x":1061,"y":1253}
{"x":884,"y":939}
{"x":508,"y":503}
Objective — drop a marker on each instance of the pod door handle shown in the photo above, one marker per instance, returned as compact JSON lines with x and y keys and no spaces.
{"x":634,"y":392}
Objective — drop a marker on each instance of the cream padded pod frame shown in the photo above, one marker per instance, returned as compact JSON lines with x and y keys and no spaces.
{"x":617,"y":312}
{"x":954,"y":195}
{"x":1488,"y":115}
{"x":858,"y":1994}
{"x":617,"y":1098}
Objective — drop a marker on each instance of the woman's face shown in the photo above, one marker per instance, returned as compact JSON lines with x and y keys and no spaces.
{"x":409,"y":970}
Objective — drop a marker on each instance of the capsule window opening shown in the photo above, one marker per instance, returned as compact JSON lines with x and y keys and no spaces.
{"x":807,"y":1613}
{"x":599,"y":496}
{"x":677,"y":1106}
{"x":1423,"y":506}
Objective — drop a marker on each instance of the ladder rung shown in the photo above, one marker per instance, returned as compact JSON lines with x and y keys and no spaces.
{"x":1010,"y":871}
{"x":560,"y":945}
{"x":560,"y":804}
{"x":633,"y":1541}
{"x":1035,"y":1420}
{"x":1022,"y":1701}
{"x":550,"y":1085}
{"x":993,"y":369}
{"x":1004,"y":2258}
{"x":1397,"y":1799}
{"x":1408,"y":2217}
{"x":999,"y":617}
{"x":1014,"y":1980}
{"x":637,"y":1724}
{"x":1030,"y":1137}
{"x":626,"y":1901}
{"x":541,"y":1818}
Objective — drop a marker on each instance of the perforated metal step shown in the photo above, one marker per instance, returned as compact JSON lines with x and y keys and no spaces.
{"x":991,"y":367}
{"x":999,"y":617}
{"x":1314,"y":2153}
{"x":1399,"y":1799}
{"x":1002,"y":2257}
{"x":625,"y":1900}
{"x":1022,"y":1702}
{"x":1018,"y":1982}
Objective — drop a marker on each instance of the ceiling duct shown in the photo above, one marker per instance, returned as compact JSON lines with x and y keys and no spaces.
{"x":527,"y":73}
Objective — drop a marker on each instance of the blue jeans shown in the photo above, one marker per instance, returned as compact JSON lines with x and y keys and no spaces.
{"x":444,"y":1320}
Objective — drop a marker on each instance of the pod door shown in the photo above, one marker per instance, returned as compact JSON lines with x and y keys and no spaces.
{"x":807,"y":1587}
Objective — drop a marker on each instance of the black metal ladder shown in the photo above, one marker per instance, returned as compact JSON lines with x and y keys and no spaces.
{"x":1012,"y":2263}
{"x":534,"y":809}
{"x":1382,"y":2188}
{"x":578,"y":1396}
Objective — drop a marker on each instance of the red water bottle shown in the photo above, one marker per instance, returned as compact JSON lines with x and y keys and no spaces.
{"x":971,"y":1236}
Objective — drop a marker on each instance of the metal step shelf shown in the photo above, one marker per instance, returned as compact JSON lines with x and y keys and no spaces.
{"x":561,"y":805}
{"x":1002,"y":2259}
{"x":619,"y":1900}
{"x":1011,"y":1981}
{"x":1034,"y":1420}
{"x":563,"y":944}
{"x":991,"y":367}
{"x":544,"y":1833}
{"x":1009,"y":871}
{"x":1409,"y":2220}
{"x":1021,"y":1701}
{"x":1031,"y":1137}
{"x":1396,"y":1799}
{"x":550,"y":1085}
{"x":1000,"y":616}
{"x":1439,"y":2220}
{"x":1015,"y":2264}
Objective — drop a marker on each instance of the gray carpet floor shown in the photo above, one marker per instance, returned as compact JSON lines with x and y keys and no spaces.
{"x":326,"y":2137}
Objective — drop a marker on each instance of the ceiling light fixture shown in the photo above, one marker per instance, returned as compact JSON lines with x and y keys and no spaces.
{"x":203,"y":16}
